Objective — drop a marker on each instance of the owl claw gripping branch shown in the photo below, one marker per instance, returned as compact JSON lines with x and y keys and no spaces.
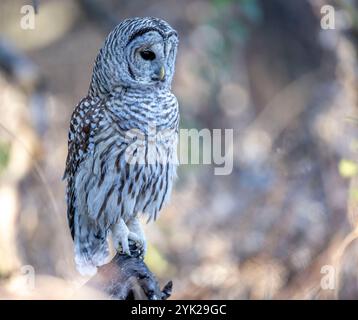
{"x":129,"y":90}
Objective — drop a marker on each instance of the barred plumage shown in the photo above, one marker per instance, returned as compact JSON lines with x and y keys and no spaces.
{"x":122,"y":140}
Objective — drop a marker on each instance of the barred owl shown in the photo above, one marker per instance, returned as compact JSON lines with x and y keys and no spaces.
{"x":122,"y":159}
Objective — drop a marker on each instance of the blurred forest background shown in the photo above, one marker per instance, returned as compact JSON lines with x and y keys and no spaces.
{"x":265,"y":68}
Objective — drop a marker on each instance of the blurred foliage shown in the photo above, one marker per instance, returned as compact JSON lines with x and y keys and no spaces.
{"x":348,"y":168}
{"x":250,"y":8}
{"x":155,"y":260}
{"x":221,"y":3}
{"x":353,"y":194}
{"x":4,"y":155}
{"x":263,"y":231}
{"x":350,"y":9}
{"x":248,"y":11}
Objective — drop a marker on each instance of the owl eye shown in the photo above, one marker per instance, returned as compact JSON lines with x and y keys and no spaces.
{"x":147,"y":55}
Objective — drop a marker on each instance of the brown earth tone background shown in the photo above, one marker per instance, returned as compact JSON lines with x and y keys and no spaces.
{"x":266,"y":69}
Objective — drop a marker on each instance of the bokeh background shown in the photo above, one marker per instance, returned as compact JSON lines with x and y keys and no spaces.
{"x":265,"y":68}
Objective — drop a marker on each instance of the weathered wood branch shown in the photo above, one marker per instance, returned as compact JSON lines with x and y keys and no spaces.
{"x":129,"y":278}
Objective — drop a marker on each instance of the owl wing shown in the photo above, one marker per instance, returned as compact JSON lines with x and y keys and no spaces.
{"x":84,"y":123}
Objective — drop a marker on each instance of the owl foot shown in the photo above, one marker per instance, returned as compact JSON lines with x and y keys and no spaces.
{"x":124,"y":239}
{"x":137,"y":236}
{"x":120,"y":233}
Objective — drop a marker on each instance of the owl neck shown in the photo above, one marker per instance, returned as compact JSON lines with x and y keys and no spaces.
{"x":101,"y":91}
{"x":143,"y":108}
{"x":99,"y":87}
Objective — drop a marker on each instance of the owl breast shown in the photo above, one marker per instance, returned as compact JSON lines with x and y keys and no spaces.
{"x":127,"y":173}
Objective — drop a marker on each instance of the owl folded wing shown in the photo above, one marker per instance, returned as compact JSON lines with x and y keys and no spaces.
{"x":84,"y":124}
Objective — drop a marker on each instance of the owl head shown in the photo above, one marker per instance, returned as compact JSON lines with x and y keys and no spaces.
{"x":138,"y":53}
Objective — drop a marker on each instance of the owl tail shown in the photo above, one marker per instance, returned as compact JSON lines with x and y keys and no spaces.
{"x":91,"y":249}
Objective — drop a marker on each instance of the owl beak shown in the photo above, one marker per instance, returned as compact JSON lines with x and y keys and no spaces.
{"x":160,"y":74}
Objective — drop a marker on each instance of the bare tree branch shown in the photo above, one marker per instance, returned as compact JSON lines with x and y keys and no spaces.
{"x":128,"y":278}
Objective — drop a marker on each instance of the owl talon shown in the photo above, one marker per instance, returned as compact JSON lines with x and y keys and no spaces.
{"x":123,"y":247}
{"x":137,"y":236}
{"x":138,"y":244}
{"x":136,"y":239}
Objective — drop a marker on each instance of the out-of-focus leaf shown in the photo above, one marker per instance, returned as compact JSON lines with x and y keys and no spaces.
{"x":221,"y":3}
{"x":238,"y":31}
{"x":251,"y":9}
{"x":354,"y":194}
{"x":155,"y":261}
{"x":4,"y":155}
{"x":348,"y":168}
